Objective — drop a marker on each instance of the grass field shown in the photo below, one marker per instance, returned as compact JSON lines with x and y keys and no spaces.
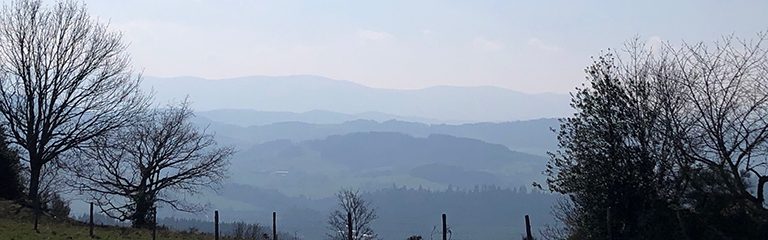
{"x":16,"y":223}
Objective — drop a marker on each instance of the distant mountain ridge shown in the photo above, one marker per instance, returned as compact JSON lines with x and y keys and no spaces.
{"x":530,"y":136}
{"x":303,"y":93}
{"x":250,"y":117}
{"x":302,"y":138}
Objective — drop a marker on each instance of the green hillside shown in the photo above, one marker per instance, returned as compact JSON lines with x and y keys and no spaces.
{"x":16,"y":224}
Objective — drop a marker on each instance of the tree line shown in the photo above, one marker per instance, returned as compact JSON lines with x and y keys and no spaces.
{"x":667,"y":142}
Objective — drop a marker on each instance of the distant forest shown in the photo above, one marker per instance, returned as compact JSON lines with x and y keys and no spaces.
{"x":482,"y":212}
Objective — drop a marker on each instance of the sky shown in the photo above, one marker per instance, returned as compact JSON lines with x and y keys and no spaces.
{"x":531,"y":46}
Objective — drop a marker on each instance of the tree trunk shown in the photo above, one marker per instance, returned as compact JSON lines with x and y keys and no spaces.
{"x":760,"y":193}
{"x":34,"y":181}
{"x":34,"y":187}
{"x":141,"y":217}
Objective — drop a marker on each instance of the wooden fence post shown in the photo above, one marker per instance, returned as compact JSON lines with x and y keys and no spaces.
{"x":528,"y":235}
{"x":445,"y":228}
{"x":216,"y":225}
{"x":274,"y":225}
{"x":90,"y":222}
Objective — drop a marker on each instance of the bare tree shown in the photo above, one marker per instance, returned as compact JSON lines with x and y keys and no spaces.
{"x":437,"y":233}
{"x":350,"y":201}
{"x":157,"y":160}
{"x":64,"y":79}
{"x":566,"y":220}
{"x":245,"y":231}
{"x":723,"y":121}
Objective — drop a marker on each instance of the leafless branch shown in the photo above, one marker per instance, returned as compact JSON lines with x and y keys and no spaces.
{"x":64,"y":80}
{"x":156,"y":160}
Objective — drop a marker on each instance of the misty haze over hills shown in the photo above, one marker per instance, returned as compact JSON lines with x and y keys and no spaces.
{"x":315,"y":159}
{"x":375,"y":160}
{"x":531,"y":136}
{"x":250,"y":117}
{"x":302,"y":93}
{"x":305,"y":120}
{"x":416,"y":153}
{"x":293,"y":163}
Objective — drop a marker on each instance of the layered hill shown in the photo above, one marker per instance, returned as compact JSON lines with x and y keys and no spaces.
{"x":373,"y":160}
{"x":531,"y":136}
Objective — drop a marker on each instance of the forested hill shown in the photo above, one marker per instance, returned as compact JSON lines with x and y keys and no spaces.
{"x":373,"y":160}
{"x":531,"y":136}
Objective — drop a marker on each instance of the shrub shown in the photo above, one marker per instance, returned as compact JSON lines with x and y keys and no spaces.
{"x":59,"y":207}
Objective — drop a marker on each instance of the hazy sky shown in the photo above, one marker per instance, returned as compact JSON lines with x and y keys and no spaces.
{"x":531,"y":46}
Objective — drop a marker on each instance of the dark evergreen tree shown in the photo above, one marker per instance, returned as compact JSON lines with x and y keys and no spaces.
{"x":11,"y":186}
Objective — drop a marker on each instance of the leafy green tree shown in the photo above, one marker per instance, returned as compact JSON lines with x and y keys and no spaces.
{"x":612,"y":163}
